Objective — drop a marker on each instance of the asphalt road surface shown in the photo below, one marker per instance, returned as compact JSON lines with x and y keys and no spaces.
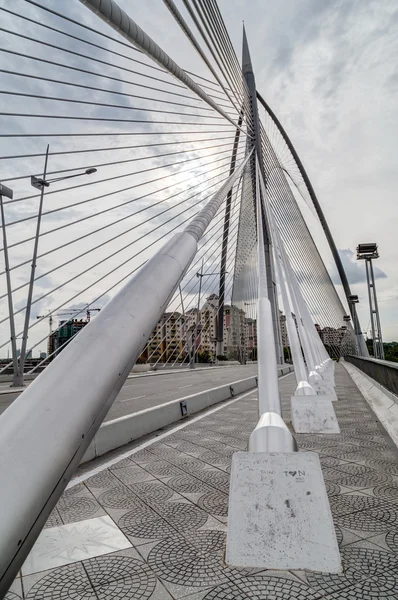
{"x":146,"y":391}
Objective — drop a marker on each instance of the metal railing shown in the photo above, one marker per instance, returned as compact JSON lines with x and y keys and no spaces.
{"x":382,"y":371}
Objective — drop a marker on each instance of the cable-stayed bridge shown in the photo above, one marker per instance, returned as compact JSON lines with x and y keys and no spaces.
{"x":155,"y":217}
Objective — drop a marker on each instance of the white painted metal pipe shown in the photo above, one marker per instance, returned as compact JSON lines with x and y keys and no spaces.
{"x":271,"y":433}
{"x":303,"y":387}
{"x":111,"y":13}
{"x":47,"y":429}
{"x":268,"y":384}
{"x":294,"y":293}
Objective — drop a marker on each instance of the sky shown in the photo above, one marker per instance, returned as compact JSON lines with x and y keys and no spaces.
{"x":327,"y":69}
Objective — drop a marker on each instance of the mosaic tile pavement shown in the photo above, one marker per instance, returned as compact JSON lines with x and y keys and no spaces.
{"x":171,"y":501}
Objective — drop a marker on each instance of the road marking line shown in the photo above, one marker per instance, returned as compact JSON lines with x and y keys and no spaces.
{"x":135,"y":398}
{"x":181,"y":387}
{"x":114,"y":461}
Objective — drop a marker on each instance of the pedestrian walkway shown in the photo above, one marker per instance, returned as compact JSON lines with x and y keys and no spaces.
{"x":153,"y":525}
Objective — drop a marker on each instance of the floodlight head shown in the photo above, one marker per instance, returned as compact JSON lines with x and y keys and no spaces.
{"x":367,"y":251}
{"x":353,"y":299}
{"x":6,"y":191}
{"x":38,"y":183}
{"x":91,"y":171}
{"x":346,"y":318}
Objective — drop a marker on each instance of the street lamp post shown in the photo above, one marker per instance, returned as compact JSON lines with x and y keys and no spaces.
{"x":8,"y":193}
{"x":200,"y":274}
{"x":40,"y":184}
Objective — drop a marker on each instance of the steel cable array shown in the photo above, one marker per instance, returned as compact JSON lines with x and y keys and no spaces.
{"x":85,"y":90}
{"x":87,"y":237}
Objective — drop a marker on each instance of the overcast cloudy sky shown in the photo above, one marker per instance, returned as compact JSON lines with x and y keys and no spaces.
{"x":328,"y":70}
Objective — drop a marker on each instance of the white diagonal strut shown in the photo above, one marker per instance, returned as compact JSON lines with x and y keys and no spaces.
{"x":112,"y":14}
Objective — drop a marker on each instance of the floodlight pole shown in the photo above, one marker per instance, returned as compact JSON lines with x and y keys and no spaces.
{"x":368,"y":252}
{"x":377,"y":314}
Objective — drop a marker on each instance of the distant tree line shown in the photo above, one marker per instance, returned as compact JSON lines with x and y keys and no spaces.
{"x":390,"y":350}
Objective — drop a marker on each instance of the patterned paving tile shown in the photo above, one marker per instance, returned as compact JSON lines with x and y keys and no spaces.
{"x":368,"y":573}
{"x":78,"y":508}
{"x":262,"y":587}
{"x":215,"y":503}
{"x":389,"y":492}
{"x":171,"y":501}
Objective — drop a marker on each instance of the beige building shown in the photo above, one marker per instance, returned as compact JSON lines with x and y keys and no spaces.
{"x":167,"y":340}
{"x":174,"y":338}
{"x":282,"y":324}
{"x":251,"y":338}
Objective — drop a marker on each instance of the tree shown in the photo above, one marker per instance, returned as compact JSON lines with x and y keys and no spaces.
{"x":286,"y":354}
{"x":204,"y":357}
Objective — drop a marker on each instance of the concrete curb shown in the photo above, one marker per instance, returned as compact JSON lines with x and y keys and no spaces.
{"x":117,"y":433}
{"x":381,"y":401}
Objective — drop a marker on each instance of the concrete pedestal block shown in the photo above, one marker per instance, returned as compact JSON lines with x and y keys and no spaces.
{"x":313,"y":414}
{"x":324,"y":389}
{"x":279,"y":515}
{"x":328,"y":376}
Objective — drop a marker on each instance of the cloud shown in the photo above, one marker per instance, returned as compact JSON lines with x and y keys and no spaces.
{"x":355,"y":271}
{"x":327,"y":69}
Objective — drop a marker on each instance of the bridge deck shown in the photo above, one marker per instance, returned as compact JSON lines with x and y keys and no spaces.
{"x":155,"y":388}
{"x":169,"y":500}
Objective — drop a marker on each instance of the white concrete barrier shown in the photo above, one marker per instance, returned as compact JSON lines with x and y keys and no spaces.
{"x":116,"y":433}
{"x":382,"y":402}
{"x":140,"y":368}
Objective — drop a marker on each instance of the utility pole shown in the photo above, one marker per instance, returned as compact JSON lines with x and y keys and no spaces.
{"x":200,"y":276}
{"x":8,"y":193}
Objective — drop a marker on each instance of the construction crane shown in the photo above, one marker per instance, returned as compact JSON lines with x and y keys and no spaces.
{"x":66,"y":313}
{"x":50,"y":321}
{"x":78,"y":310}
{"x":90,"y":310}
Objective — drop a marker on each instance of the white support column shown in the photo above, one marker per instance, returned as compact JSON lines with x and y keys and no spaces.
{"x":271,"y":433}
{"x":279,"y":516}
{"x":51,"y":431}
{"x":303,"y":387}
{"x":313,"y":413}
{"x":316,"y":377}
